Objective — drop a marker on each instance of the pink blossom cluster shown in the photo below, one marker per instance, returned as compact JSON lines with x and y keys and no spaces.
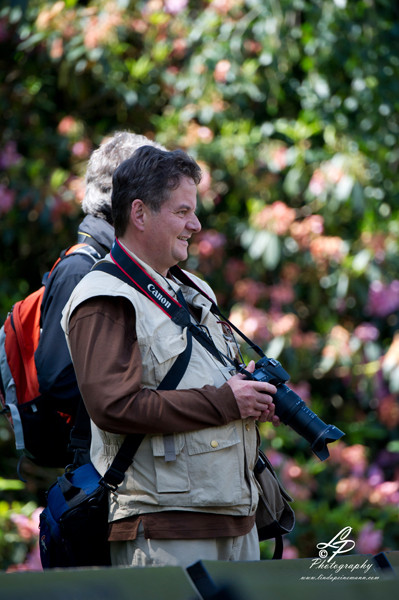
{"x":325,"y":249}
{"x":196,"y":133}
{"x":235,"y":269}
{"x":209,"y":248}
{"x":277,"y":217}
{"x":278,"y":158}
{"x":221,"y":71}
{"x":28,"y":531}
{"x":261,"y":326}
{"x":366,"y":332}
{"x":9,"y":155}
{"x":7,"y":199}
{"x":337,"y":346}
{"x":358,"y":482}
{"x":383,"y":299}
{"x":101,"y":28}
{"x":253,"y":322}
{"x":250,"y":291}
{"x":307,"y":232}
{"x":68,"y":126}
{"x":298,"y":482}
{"x":329,"y":174}
{"x":224,"y":6}
{"x":388,"y":411}
{"x":369,"y":539}
{"x":358,"y":491}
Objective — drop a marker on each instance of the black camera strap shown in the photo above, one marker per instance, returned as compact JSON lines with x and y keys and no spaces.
{"x":131,"y":272}
{"x":179,"y":274}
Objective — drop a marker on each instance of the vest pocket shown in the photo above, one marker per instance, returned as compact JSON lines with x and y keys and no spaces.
{"x":216,"y":466}
{"x":171,"y":471}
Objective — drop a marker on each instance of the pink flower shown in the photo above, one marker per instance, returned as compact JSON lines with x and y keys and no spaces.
{"x":353,"y":489}
{"x":388,"y":411}
{"x":383,"y":299}
{"x":369,"y":540}
{"x":303,"y":389}
{"x":223,"y":6}
{"x":317,"y":183}
{"x":386,"y":492}
{"x":278,"y":158}
{"x":221,"y":71}
{"x":283,"y":324}
{"x":278,"y":218}
{"x":281,"y":293}
{"x":81,"y":149}
{"x":252,"y":321}
{"x":31,"y":563}
{"x":57,"y":48}
{"x":67,"y":126}
{"x":338,"y":344}
{"x":7,"y":198}
{"x":28,"y":527}
{"x":366,"y":332}
{"x":174,"y":7}
{"x":289,"y":551}
{"x":249,"y":290}
{"x":9,"y":155}
{"x":297,"y":481}
{"x":354,"y":459}
{"x":234,"y":270}
{"x":211,"y":241}
{"x":306,"y":230}
{"x":325,"y":249}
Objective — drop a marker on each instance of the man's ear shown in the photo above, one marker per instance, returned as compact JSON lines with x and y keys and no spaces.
{"x":137,"y":214}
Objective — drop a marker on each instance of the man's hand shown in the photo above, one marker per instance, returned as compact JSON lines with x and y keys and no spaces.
{"x":253,"y":397}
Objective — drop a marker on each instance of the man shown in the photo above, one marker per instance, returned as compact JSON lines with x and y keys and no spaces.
{"x":53,"y":362}
{"x":190,"y":493}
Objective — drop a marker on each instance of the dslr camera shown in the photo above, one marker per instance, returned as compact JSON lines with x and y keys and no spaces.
{"x":292,"y":410}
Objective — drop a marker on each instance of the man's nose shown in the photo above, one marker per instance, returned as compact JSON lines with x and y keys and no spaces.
{"x":194,"y":224}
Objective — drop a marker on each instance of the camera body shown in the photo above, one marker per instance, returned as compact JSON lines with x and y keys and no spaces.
{"x":292,"y":410}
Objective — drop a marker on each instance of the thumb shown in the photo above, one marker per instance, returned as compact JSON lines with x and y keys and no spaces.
{"x":251,"y":366}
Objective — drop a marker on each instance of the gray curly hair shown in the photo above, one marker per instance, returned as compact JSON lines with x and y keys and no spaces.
{"x":101,"y":166}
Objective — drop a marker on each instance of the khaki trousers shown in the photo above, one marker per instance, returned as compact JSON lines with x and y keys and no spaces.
{"x":143,"y":553}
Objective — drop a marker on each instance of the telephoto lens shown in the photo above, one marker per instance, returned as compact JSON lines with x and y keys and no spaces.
{"x":292,"y":410}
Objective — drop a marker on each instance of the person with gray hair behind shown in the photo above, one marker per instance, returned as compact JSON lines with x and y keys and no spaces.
{"x":56,"y":375}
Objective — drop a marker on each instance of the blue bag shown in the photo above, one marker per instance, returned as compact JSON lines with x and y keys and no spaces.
{"x":74,"y":524}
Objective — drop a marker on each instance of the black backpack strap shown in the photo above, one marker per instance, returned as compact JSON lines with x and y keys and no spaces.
{"x":124,"y":458}
{"x":86,"y":238}
{"x":80,"y":437}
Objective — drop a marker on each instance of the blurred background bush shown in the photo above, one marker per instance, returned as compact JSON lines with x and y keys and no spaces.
{"x":291,"y":109}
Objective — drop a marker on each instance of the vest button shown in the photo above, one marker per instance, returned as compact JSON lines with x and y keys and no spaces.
{"x":247,"y":426}
{"x":214,"y":444}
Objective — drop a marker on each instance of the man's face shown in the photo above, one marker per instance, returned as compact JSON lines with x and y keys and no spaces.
{"x":167,"y":232}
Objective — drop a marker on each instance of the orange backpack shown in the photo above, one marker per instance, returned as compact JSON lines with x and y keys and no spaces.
{"x":29,"y":416}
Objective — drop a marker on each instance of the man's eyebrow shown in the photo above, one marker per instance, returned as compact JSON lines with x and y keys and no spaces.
{"x":184,"y":207}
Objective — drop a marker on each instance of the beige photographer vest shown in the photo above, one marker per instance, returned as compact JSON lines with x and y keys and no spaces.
{"x":208,"y":470}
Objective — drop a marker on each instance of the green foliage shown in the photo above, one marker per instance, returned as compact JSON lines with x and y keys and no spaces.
{"x":291,"y":108}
